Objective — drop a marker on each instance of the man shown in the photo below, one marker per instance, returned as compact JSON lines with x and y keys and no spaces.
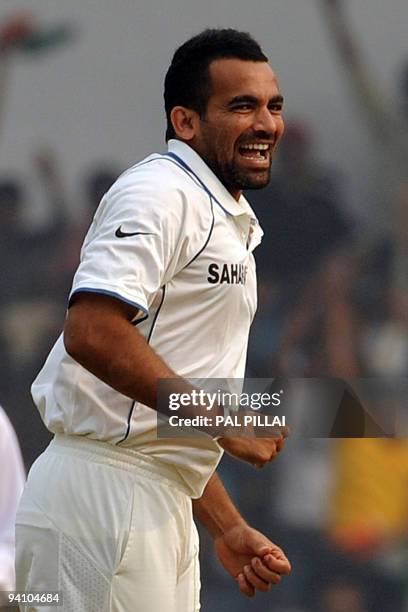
{"x":107,"y":509}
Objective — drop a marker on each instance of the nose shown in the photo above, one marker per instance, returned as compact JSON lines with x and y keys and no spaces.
{"x":269,"y":122}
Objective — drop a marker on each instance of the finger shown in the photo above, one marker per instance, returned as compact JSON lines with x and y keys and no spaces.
{"x":253,"y":579}
{"x":279,"y":564}
{"x":273,"y":550}
{"x":264,"y":572}
{"x":258,"y":545}
{"x":267,"y":457}
{"x":268,"y":452}
{"x":244,"y":586}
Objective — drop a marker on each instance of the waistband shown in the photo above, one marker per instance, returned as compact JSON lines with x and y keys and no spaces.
{"x":121,"y":458}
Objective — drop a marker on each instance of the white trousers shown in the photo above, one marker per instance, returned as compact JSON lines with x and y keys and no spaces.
{"x":109,"y":530}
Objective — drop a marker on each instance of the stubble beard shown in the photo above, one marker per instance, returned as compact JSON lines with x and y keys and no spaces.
{"x":234,"y":178}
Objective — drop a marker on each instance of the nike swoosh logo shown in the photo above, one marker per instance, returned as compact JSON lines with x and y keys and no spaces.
{"x":120,"y":234}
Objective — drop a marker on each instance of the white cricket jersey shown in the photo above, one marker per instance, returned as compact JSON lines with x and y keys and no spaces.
{"x":169,"y":239}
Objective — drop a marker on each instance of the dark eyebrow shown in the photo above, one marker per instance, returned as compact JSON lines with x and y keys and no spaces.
{"x":246,"y":99}
{"x":278,"y":99}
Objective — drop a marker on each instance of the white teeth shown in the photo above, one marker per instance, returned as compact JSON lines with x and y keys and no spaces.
{"x":258,"y":147}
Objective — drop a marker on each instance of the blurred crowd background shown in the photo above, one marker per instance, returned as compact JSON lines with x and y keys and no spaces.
{"x":333,"y":270}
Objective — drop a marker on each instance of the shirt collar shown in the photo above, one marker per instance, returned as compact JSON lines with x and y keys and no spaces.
{"x":217,"y":190}
{"x":211,"y":182}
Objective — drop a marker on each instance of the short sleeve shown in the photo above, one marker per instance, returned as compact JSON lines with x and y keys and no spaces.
{"x":142,"y":234}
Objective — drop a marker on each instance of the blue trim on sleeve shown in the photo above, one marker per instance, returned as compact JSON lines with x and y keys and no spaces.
{"x":111,"y":294}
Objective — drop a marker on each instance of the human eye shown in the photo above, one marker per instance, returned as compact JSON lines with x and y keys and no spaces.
{"x":276,"y":107}
{"x":244,"y":107}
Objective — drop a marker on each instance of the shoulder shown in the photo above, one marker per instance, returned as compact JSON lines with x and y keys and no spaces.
{"x":161,"y":174}
{"x":159,"y":184}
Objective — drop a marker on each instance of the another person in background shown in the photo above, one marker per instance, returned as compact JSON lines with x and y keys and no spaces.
{"x":12,"y":478}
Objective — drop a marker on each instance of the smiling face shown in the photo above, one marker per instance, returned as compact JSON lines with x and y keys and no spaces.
{"x":242,"y":124}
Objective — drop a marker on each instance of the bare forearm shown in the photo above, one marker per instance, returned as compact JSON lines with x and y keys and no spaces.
{"x":106,"y":344}
{"x":245,"y":553}
{"x":215,"y":509}
{"x":100,"y":336}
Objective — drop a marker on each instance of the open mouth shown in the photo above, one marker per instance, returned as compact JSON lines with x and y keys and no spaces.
{"x":259,"y":152}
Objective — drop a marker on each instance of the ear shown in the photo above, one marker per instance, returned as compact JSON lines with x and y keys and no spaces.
{"x":185,"y":122}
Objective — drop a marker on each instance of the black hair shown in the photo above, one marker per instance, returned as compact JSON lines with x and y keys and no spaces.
{"x":187,"y":82}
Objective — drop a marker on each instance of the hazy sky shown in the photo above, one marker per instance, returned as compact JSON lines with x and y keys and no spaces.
{"x":101,"y":98}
